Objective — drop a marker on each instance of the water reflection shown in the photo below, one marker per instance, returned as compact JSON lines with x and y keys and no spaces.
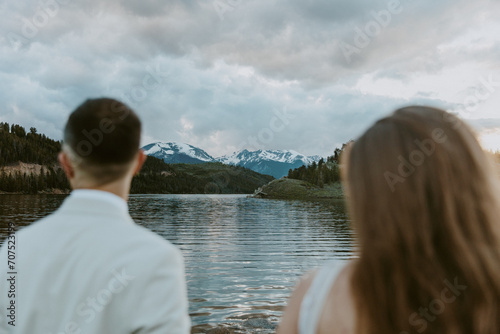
{"x":243,"y":256}
{"x":25,"y":209}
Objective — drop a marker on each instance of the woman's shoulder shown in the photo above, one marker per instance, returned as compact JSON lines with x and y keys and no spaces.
{"x":339,"y":311}
{"x":289,"y":320}
{"x":311,"y":295}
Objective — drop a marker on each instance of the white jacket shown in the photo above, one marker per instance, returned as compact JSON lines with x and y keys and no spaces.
{"x":89,"y":269}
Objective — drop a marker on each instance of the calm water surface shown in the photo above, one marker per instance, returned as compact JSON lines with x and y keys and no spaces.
{"x":243,"y":255}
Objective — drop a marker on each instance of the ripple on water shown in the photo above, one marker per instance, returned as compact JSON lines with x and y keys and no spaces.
{"x":242,"y":256}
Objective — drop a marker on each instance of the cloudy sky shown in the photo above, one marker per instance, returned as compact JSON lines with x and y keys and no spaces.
{"x":224,"y":75}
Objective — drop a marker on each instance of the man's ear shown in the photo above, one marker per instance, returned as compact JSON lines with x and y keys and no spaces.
{"x":141,"y":158}
{"x":66,"y":165}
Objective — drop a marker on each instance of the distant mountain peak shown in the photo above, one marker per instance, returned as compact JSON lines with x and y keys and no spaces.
{"x":271,"y":162}
{"x":173,"y":152}
{"x":288,"y":156}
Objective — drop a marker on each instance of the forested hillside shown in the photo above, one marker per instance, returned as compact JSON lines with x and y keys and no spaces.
{"x":19,"y":146}
{"x":328,"y":172}
{"x":321,"y":173}
{"x":209,"y":178}
{"x":28,"y":164}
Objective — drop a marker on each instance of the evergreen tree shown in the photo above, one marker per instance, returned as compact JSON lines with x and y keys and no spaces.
{"x":155,"y":177}
{"x":321,"y":173}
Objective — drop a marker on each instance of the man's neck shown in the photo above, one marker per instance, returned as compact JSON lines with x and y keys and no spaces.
{"x":119,"y":189}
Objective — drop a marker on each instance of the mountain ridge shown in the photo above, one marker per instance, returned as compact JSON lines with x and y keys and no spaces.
{"x":173,"y":153}
{"x":276,"y":163}
{"x":28,"y":165}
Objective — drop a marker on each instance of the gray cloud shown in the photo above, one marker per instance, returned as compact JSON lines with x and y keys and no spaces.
{"x":220,"y":81}
{"x":485,"y":123}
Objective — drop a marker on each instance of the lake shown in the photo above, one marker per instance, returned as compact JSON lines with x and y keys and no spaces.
{"x":243,"y":255}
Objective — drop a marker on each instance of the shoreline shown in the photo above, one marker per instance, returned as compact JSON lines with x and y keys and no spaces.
{"x":292,"y":189}
{"x":42,"y":192}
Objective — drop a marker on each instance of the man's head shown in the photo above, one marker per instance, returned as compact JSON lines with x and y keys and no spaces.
{"x":101,"y":144}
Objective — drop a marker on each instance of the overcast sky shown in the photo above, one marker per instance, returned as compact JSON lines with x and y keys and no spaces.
{"x":224,"y":75}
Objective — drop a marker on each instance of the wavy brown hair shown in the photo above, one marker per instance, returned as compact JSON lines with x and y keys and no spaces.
{"x":425,"y":204}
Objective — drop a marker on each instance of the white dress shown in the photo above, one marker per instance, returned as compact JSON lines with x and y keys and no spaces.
{"x":314,"y":299}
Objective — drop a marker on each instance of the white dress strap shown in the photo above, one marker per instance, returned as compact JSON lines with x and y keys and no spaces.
{"x":314,"y":299}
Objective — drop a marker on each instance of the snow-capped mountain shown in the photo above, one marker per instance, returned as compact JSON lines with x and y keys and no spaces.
{"x":175,"y":153}
{"x":271,"y":162}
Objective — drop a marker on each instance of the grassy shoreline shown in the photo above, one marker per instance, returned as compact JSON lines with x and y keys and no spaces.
{"x":292,"y":189}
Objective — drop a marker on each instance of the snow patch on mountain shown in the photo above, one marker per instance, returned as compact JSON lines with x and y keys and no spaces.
{"x":177,"y":153}
{"x":283,"y":156}
{"x":271,"y":162}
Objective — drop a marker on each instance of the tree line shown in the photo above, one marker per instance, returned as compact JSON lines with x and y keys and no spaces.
{"x":320,"y":173}
{"x":19,"y":145}
{"x":328,"y":171}
{"x":30,"y":147}
{"x":47,"y":180}
{"x":156,"y":176}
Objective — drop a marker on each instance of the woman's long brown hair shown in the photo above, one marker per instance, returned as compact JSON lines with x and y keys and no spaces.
{"x":425,"y":204}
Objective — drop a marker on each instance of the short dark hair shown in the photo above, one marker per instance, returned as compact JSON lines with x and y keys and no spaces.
{"x":103,"y":133}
